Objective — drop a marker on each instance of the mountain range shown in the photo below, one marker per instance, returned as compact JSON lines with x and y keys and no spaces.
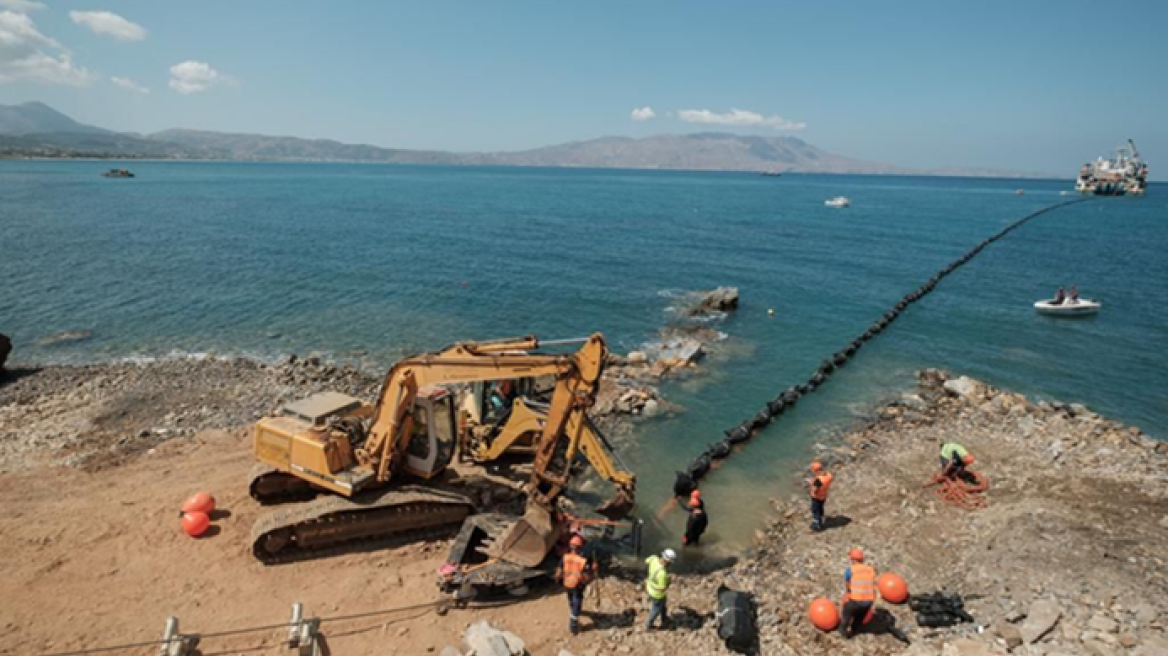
{"x":34,"y":129}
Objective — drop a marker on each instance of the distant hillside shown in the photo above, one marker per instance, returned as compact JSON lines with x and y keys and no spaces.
{"x":39,"y":118}
{"x":36,"y":130}
{"x":703,"y":151}
{"x":98,"y":145}
{"x":262,"y":147}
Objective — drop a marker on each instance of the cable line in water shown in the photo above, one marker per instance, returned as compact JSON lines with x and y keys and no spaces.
{"x":687,"y":480}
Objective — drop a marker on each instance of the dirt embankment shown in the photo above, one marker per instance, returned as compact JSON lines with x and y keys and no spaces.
{"x":1077,"y":516}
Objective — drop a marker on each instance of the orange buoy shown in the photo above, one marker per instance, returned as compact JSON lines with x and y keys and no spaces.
{"x":824,"y":615}
{"x":195,"y":523}
{"x":893,"y":588}
{"x":199,"y":502}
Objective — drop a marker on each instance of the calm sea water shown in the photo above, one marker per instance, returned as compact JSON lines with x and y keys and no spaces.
{"x":269,"y":259}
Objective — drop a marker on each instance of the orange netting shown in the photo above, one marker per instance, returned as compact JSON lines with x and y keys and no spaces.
{"x":961,"y":492}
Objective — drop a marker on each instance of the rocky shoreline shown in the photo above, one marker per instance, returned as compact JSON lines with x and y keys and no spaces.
{"x":1067,"y":559}
{"x":101,"y":414}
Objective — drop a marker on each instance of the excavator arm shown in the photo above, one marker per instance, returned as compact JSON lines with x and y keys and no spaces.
{"x":529,"y":417}
{"x":468,"y":362}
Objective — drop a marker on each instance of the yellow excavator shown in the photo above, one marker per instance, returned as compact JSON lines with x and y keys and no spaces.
{"x":361,"y":453}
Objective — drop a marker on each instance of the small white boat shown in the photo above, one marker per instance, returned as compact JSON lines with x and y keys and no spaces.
{"x":838,"y":201}
{"x":1068,"y":308}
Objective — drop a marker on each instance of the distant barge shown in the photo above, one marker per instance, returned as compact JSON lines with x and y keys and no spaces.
{"x":1124,"y":175}
{"x":117,"y":173}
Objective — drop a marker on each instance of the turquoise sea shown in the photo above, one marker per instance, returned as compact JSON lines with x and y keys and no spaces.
{"x":370,"y":262}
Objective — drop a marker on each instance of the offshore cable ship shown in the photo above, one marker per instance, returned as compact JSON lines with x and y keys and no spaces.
{"x":1124,"y":175}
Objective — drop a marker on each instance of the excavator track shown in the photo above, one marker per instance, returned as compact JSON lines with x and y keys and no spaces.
{"x":333,"y":525}
{"x":270,"y":486}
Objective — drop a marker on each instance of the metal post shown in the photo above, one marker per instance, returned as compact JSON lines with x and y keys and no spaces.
{"x":169,"y":636}
{"x":294,"y":627}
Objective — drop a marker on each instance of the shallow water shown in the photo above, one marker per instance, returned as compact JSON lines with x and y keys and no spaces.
{"x":369,"y":263}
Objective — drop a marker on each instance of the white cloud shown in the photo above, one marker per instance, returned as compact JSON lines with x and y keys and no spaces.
{"x":127,"y":83}
{"x":194,"y":76}
{"x":738,"y":117}
{"x":643,"y":113}
{"x":109,"y":24}
{"x":22,"y":6}
{"x":28,"y":55}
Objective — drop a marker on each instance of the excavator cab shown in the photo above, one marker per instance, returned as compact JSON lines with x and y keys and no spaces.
{"x":432,"y":440}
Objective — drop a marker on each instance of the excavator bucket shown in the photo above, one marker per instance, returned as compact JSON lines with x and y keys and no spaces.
{"x":530,"y":539}
{"x":618,"y":507}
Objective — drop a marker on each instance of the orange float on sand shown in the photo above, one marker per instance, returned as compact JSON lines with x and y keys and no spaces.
{"x":199,"y":502}
{"x":195,"y":523}
{"x":893,"y":588}
{"x":823,"y":613}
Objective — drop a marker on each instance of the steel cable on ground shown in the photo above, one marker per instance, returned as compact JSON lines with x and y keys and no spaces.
{"x":738,"y":435}
{"x":282,"y":625}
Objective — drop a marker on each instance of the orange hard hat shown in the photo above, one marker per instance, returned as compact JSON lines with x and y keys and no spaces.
{"x":576,"y":541}
{"x":856,"y":555}
{"x":696,"y":495}
{"x":816,"y":465}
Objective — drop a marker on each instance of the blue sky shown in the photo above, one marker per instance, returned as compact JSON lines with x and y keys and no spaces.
{"x":1037,"y":86}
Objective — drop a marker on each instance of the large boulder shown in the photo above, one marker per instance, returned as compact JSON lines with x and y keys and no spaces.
{"x":5,"y":349}
{"x":1040,"y":620}
{"x":722,"y":299}
{"x":486,"y":640}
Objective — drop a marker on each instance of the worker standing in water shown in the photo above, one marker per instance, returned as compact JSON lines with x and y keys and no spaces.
{"x":657,"y":586}
{"x":954,"y":459}
{"x":697,"y":521}
{"x":576,"y":573}
{"x":860,"y":587}
{"x":817,"y":487}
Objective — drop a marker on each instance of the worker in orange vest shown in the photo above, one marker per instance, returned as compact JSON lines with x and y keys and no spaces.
{"x":860,"y":585}
{"x":576,"y":573}
{"x":818,"y":486}
{"x":697,"y":521}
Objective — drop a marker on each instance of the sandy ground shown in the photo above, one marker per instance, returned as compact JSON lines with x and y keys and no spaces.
{"x":1078,"y":516}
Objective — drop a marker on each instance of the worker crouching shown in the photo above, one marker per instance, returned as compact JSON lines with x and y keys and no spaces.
{"x":860,"y":587}
{"x":954,"y":459}
{"x":817,"y":487}
{"x":657,"y":586}
{"x":576,"y":573}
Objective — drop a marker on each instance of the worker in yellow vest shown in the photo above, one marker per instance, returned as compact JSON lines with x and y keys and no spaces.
{"x":657,"y":585}
{"x":954,"y":459}
{"x":860,"y":586}
{"x":817,"y":487}
{"x":576,"y":573}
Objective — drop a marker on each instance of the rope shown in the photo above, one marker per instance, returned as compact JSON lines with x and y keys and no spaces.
{"x":256,"y":629}
{"x":959,"y":492}
{"x":737,"y":436}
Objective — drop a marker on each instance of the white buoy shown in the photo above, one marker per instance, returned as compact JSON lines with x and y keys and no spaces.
{"x":770,"y":312}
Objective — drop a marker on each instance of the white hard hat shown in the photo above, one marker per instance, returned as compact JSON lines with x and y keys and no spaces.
{"x":669,"y":554}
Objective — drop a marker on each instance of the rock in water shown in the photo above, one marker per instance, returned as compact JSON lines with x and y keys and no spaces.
{"x":1040,"y":620}
{"x":5,"y":349}
{"x":722,"y":299}
{"x":966,"y":388}
{"x":65,"y":337}
{"x":486,"y":640}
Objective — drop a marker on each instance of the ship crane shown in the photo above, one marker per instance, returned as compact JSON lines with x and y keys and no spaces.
{"x":1134,"y":153}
